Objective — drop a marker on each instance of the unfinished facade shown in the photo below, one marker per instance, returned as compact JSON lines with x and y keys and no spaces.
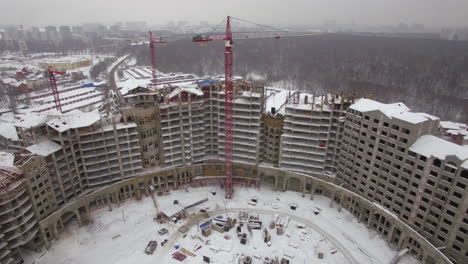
{"x":389,"y":155}
{"x":18,"y":224}
{"x":311,"y":137}
{"x":294,"y":141}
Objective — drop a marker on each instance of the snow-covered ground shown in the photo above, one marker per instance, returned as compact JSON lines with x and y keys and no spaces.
{"x":121,"y":235}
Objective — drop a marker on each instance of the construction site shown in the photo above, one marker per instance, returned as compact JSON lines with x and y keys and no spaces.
{"x":150,"y":167}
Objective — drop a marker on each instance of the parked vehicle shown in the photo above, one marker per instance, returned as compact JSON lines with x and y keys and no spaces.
{"x":151,"y":247}
{"x":163,"y":231}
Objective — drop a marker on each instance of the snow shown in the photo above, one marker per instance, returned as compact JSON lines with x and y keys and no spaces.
{"x":117,"y":62}
{"x":276,"y":99}
{"x":189,"y":88}
{"x":121,"y":235}
{"x":8,"y":131}
{"x":76,"y":120}
{"x":7,"y":159}
{"x":169,"y":209}
{"x":429,"y":145}
{"x":452,"y":125}
{"x":367,"y":105}
{"x":415,"y":118}
{"x":45,"y":148}
{"x":396,"y":110}
{"x":29,"y":120}
{"x":458,"y":132}
{"x":130,"y":84}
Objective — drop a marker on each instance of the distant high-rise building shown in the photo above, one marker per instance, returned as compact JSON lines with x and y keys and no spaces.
{"x":77,"y":29}
{"x":65,"y":32}
{"x":51,"y":32}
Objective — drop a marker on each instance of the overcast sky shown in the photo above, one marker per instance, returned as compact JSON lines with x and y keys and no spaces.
{"x":362,"y":12}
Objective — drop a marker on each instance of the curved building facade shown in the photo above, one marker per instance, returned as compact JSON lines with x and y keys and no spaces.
{"x":381,"y":162}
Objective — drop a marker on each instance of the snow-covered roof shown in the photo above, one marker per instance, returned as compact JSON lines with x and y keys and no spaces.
{"x":415,"y":118}
{"x":76,"y":120}
{"x":189,"y":88}
{"x":130,"y":84}
{"x":276,"y":99}
{"x":395,"y":110}
{"x":8,"y":131}
{"x":29,"y":120}
{"x":366,"y":105}
{"x":429,"y":145}
{"x":452,"y":125}
{"x":458,"y":132}
{"x":7,"y":159}
{"x":171,"y":209}
{"x":44,"y":148}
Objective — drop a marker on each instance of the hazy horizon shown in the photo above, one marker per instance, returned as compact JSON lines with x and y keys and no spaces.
{"x":431,"y":13}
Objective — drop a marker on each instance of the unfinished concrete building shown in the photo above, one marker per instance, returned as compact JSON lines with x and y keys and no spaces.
{"x":18,"y":224}
{"x":247,"y":109}
{"x":271,"y":131}
{"x":298,"y":138}
{"x":182,"y":126}
{"x":34,"y":168}
{"x":311,"y":137}
{"x":389,"y":155}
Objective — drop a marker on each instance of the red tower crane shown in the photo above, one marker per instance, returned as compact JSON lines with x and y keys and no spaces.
{"x":152,"y":45}
{"x":53,"y":85}
{"x":228,"y":38}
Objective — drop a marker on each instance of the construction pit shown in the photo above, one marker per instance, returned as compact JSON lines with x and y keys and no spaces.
{"x":256,"y":226}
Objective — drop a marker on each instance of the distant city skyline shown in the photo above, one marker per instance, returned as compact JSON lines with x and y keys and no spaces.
{"x":431,"y":13}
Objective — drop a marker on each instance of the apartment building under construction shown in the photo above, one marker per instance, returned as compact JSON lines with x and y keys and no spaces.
{"x":378,"y":151}
{"x":391,"y":156}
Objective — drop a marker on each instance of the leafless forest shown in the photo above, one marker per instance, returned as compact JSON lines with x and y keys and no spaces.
{"x":427,"y":75}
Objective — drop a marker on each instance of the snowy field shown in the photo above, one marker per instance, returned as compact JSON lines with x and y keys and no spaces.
{"x":121,"y":235}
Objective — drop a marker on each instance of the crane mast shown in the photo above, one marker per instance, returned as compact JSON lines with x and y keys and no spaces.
{"x":153,"y":58}
{"x":152,"y":45}
{"x":53,"y":85}
{"x":228,"y":38}
{"x":228,"y":95}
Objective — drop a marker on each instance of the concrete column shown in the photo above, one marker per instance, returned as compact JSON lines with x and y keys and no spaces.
{"x":303,"y":187}
{"x":56,"y":233}
{"x":78,"y":217}
{"x":401,"y":242}
{"x":424,"y":255}
{"x":341,"y":202}
{"x":332,"y":200}
{"x":109,"y":201}
{"x":390,"y":232}
{"x":312,"y":191}
{"x":285,"y":181}
{"x":44,"y":237}
{"x":361,"y":215}
{"x":369,"y":221}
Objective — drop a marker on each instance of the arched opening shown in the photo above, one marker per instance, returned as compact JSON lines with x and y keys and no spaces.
{"x":68,"y":218}
{"x":268,"y":182}
{"x":294,"y":184}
